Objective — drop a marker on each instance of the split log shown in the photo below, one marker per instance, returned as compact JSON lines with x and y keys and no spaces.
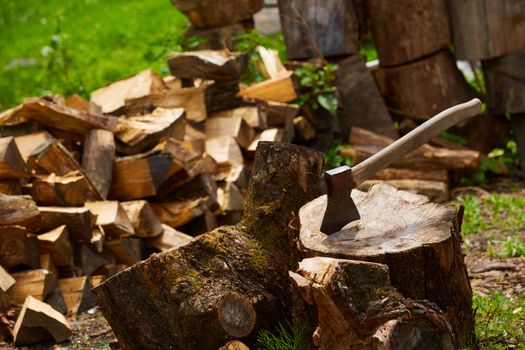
{"x":268,"y":135}
{"x":211,"y":65}
{"x":418,"y":240}
{"x":46,"y":263}
{"x":97,"y":159}
{"x":78,"y":220}
{"x":270,"y":65}
{"x":492,"y":28}
{"x":18,"y":248}
{"x":39,"y":322}
{"x":53,"y":113}
{"x":178,"y":213}
{"x":313,"y":28}
{"x":36,"y":283}
{"x":77,"y":102}
{"x":112,"y":98}
{"x":505,"y":80}
{"x":200,"y":186}
{"x":195,"y":279}
{"x":255,"y":116}
{"x":209,"y":14}
{"x":303,"y":128}
{"x":56,"y":301}
{"x":57,"y":244}
{"x":127,"y":250}
{"x":234,"y":126}
{"x":225,"y":151}
{"x":11,"y":188}
{"x":112,"y":217}
{"x":169,"y":239}
{"x":138,"y":134}
{"x":144,"y":221}
{"x":12,"y":165}
{"x":205,"y":223}
{"x":87,"y":260}
{"x":230,"y":198}
{"x":280,"y":115}
{"x":6,"y":280}
{"x":409,"y":88}
{"x":234,"y":345}
{"x":77,"y":294}
{"x":423,"y":29}
{"x":282,"y":89}
{"x":73,"y":189}
{"x":382,"y":320}
{"x":360,"y":102}
{"x":239,"y":176}
{"x":30,"y":145}
{"x":20,"y":211}
{"x":437,"y":191}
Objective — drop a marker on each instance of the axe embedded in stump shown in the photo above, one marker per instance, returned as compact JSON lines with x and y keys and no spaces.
{"x":340,"y":208}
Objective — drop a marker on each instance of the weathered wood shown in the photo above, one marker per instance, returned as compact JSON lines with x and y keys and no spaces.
{"x":360,"y":102}
{"x":209,"y":14}
{"x":282,"y":89}
{"x":349,"y":320}
{"x":314,"y":28}
{"x":169,"y":239}
{"x":194,"y":277}
{"x":112,"y":217}
{"x":127,"y":250}
{"x":88,"y":260}
{"x":407,"y":30}
{"x":78,"y":220}
{"x":212,"y":65}
{"x":39,"y":322}
{"x":36,"y":283}
{"x":418,"y":240}
{"x":18,"y":248}
{"x":137,"y":134}
{"x":204,"y":223}
{"x":234,"y":345}
{"x":437,"y":191}
{"x":11,"y":187}
{"x":144,"y":221}
{"x":409,"y":88}
{"x":303,"y":128}
{"x":234,"y":126}
{"x":56,"y":301}
{"x":202,"y":185}
{"x":77,"y":294}
{"x":97,"y":158}
{"x":56,"y":243}
{"x":19,"y":210}
{"x":12,"y":165}
{"x":112,"y":98}
{"x":492,"y":28}
{"x":505,"y":81}
{"x":73,"y":189}
{"x":53,"y":113}
{"x":178,"y":213}
{"x":236,"y":315}
{"x":268,"y":135}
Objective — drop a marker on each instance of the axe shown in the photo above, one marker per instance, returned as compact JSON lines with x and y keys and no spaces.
{"x":340,"y":208}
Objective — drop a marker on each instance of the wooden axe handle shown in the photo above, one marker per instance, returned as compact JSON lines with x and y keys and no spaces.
{"x":414,"y":139}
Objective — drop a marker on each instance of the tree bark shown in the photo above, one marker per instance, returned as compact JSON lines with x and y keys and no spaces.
{"x":418,"y":240}
{"x":176,"y":295}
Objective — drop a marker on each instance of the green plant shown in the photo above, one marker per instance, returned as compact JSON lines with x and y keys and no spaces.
{"x":454,"y":138}
{"x":472,"y":220}
{"x":367,"y":49}
{"x":333,"y":157}
{"x":500,"y":321}
{"x":293,"y":337}
{"x":174,"y":41}
{"x":317,"y":86}
{"x":248,"y":43}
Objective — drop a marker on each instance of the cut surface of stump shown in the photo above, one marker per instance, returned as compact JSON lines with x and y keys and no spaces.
{"x":418,"y":240}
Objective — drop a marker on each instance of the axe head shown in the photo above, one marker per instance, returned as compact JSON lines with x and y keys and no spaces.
{"x":340,"y":208}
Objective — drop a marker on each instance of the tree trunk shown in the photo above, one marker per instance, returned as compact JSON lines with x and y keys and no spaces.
{"x":176,"y":296}
{"x":418,"y":240}
{"x":407,"y":30}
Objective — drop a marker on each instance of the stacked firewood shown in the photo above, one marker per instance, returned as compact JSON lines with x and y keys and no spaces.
{"x":90,"y":188}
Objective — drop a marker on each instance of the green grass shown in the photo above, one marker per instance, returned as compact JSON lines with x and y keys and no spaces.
{"x":79,"y":45}
{"x":292,"y":337}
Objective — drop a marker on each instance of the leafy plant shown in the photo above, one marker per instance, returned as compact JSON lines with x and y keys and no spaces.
{"x":454,"y":138}
{"x":293,"y":337}
{"x":174,"y":41}
{"x":513,"y":248}
{"x":333,"y":157}
{"x":317,"y":86}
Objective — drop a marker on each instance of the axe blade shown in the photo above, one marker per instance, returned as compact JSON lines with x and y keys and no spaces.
{"x":340,"y":208}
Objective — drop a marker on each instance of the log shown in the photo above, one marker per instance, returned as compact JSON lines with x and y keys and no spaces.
{"x":313,"y":28}
{"x":209,"y":14}
{"x":144,"y":221}
{"x":360,"y":102}
{"x":112,"y":98}
{"x":303,"y":128}
{"x":270,"y":65}
{"x":77,"y":294}
{"x":18,"y":248}
{"x":6,"y":280}
{"x":169,"y":239}
{"x":39,"y":322}
{"x":19,"y":210}
{"x":178,"y":213}
{"x":36,"y":283}
{"x":200,"y":186}
{"x":230,"y":198}
{"x":437,"y":191}
{"x":268,"y":135}
{"x":382,"y":320}
{"x":492,"y":28}
{"x":56,"y":301}
{"x":53,"y":113}
{"x":97,"y":159}
{"x":418,"y":240}
{"x":46,"y":263}
{"x":409,"y":88}
{"x":87,"y":260}
{"x":282,"y":89}
{"x":56,"y":243}
{"x":78,"y":220}
{"x":77,"y":102}
{"x":234,"y":126}
{"x":112,"y":217}
{"x":255,"y":116}
{"x":140,"y":133}
{"x":30,"y":145}
{"x":204,"y":223}
{"x":225,"y":151}
{"x":259,"y":253}
{"x":12,"y":165}
{"x":73,"y":189}
{"x":211,"y":65}
{"x":11,"y":188}
{"x":407,"y":30}
{"x":127,"y":250}
{"x":505,"y":81}
{"x":234,"y":345}
{"x":397,"y":174}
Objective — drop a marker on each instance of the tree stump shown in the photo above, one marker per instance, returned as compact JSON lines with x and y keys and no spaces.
{"x":359,"y":309}
{"x":227,"y":283}
{"x":418,"y":240}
